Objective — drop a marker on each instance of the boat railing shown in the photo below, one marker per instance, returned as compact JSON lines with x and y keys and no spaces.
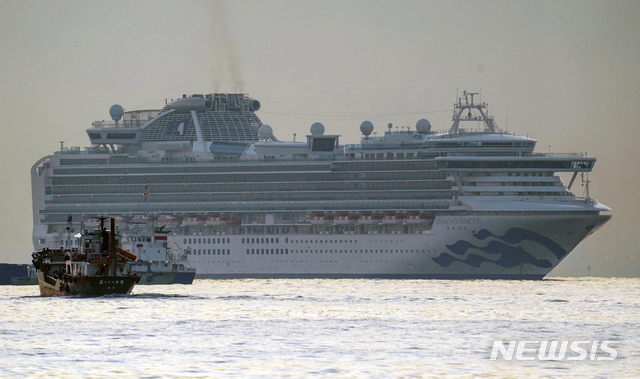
{"x":561,"y":155}
{"x":120,"y":124}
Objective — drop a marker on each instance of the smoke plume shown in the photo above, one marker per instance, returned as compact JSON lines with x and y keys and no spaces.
{"x":226,"y":63}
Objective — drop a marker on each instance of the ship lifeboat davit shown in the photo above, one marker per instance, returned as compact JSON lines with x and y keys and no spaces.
{"x":369,"y":220}
{"x":193,"y":221}
{"x":321,"y":220}
{"x":392,"y":219}
{"x":419,"y":219}
{"x":345,"y":220}
{"x":168,"y":221}
{"x":217,"y":221}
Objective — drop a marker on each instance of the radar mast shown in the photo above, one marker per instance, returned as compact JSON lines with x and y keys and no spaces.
{"x":474,"y":112}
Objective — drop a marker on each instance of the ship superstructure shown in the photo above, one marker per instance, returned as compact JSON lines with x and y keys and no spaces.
{"x":463,"y":203}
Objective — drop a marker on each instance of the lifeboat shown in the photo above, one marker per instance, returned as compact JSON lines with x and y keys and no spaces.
{"x":121,"y":221}
{"x":321,"y":220}
{"x":217,"y":221}
{"x":369,"y":220}
{"x":419,"y":219}
{"x":91,"y":222}
{"x":392,"y":219}
{"x":168,"y":221}
{"x":193,"y":221}
{"x":140,"y":219}
{"x":234,"y":221}
{"x":345,"y":220}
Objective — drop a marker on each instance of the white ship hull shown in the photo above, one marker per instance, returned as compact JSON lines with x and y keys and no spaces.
{"x":493,"y":247}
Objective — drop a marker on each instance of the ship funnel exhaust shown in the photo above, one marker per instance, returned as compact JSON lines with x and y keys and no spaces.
{"x":191,"y":104}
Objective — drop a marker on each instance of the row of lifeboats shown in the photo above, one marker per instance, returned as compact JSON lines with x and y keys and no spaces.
{"x":167,"y":220}
{"x":170,"y":221}
{"x":389,"y":219}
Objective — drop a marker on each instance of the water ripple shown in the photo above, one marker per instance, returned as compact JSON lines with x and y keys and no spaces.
{"x":317,"y":328}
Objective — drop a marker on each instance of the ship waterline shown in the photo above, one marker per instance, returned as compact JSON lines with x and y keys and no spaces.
{"x":416,"y":203}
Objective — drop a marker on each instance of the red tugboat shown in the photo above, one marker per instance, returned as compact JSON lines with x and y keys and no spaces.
{"x":99,"y":267}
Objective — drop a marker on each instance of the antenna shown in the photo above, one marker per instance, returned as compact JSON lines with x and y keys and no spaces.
{"x":506,"y":121}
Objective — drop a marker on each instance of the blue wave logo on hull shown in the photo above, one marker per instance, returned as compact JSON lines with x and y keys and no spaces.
{"x":507,"y":256}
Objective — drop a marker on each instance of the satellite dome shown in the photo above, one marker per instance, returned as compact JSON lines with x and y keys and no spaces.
{"x":366,"y":128}
{"x":423,"y":126}
{"x":116,"y":112}
{"x":317,"y":129}
{"x":265,"y":132}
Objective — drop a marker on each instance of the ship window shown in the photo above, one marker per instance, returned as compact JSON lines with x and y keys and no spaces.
{"x":247,"y":251}
{"x":228,"y":240}
{"x":228,"y":251}
{"x":272,"y":240}
{"x":286,"y":251}
{"x":218,"y":240}
{"x":121,"y":135}
{"x":286,"y":240}
{"x":243,"y":240}
{"x":261,"y":240}
{"x":208,"y":240}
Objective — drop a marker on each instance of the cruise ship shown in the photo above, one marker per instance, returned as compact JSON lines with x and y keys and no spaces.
{"x":470,"y":201}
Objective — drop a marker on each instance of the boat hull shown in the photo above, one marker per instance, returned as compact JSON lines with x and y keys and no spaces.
{"x":483,"y":247}
{"x":87,"y":286}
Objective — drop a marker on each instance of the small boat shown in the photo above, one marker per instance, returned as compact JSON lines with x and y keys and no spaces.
{"x":157,"y":263}
{"x":234,"y":221}
{"x":345,"y":220}
{"x":419,"y":219}
{"x":167,"y":221}
{"x":369,"y":220}
{"x":98,"y":268}
{"x":217,"y":221}
{"x":121,"y":221}
{"x":321,"y":220}
{"x":392,"y":219}
{"x":139,"y":220}
{"x":91,"y":222}
{"x":193,"y":221}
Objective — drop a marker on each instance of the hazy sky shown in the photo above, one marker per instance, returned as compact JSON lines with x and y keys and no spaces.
{"x":565,"y":72}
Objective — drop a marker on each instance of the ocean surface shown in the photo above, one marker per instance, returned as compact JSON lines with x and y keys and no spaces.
{"x":304,"y":328}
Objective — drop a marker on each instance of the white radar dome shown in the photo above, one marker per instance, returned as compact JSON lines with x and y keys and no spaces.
{"x":366,"y":128}
{"x":423,"y":126}
{"x":265,"y":132}
{"x":116,"y":111}
{"x":317,"y":129}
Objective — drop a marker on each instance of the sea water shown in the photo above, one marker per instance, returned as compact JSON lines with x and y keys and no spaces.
{"x":319,"y":328}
